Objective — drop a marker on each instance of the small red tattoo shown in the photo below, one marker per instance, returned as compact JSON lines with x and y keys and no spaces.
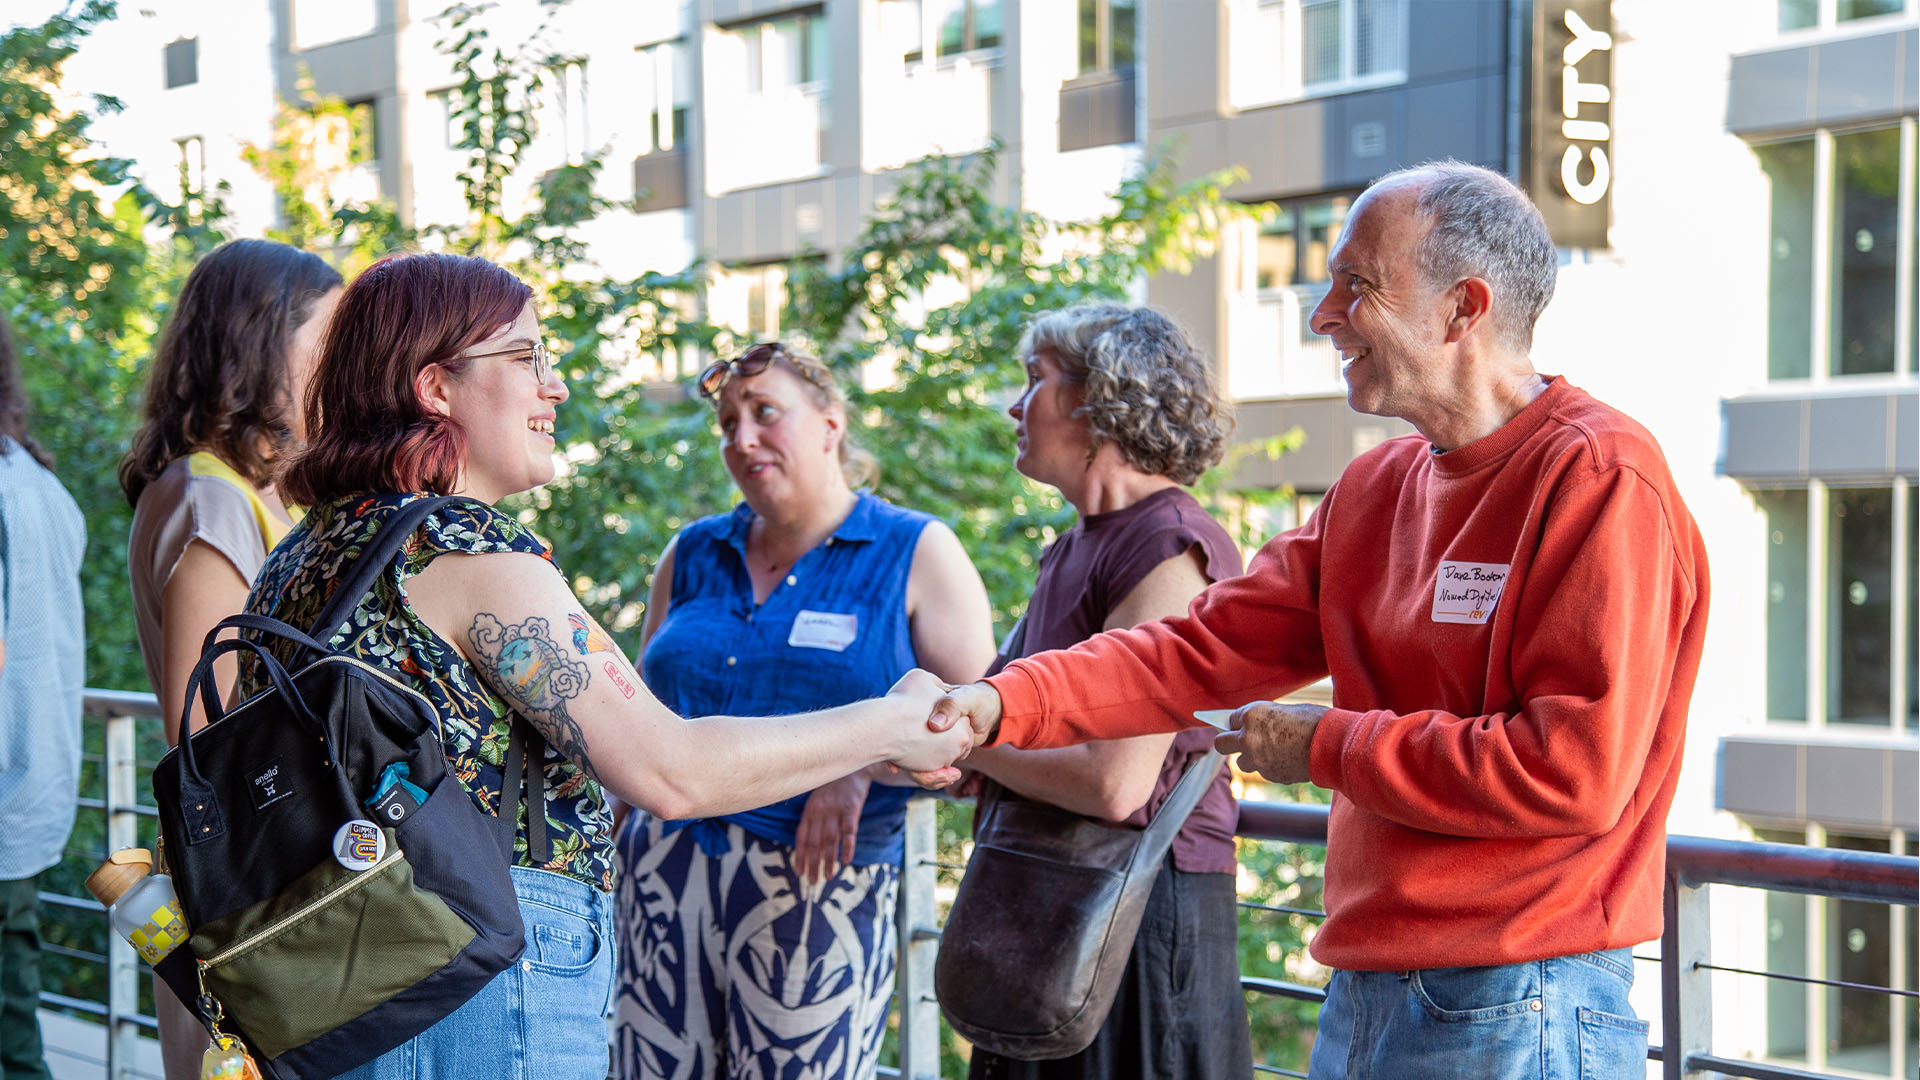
{"x":620,"y":680}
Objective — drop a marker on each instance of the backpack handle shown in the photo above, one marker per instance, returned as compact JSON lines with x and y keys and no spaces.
{"x":199,"y":805}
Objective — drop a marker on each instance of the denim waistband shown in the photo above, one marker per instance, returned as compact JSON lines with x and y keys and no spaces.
{"x":561,"y":891}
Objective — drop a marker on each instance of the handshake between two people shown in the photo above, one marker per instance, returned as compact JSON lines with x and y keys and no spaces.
{"x":1273,"y":738}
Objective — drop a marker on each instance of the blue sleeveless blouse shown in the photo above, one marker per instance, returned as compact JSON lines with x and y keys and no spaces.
{"x":833,"y":632}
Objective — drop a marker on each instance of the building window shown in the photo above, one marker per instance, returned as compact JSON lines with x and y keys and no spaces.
{"x":1833,"y":556}
{"x":765,"y":102}
{"x":1806,"y":14}
{"x":784,"y":53}
{"x":1283,"y":275}
{"x":362,"y":118}
{"x":940,"y":27}
{"x":666,"y":94}
{"x":182,"y":62}
{"x":322,"y":22}
{"x":1280,"y":50}
{"x":1107,"y":35}
{"x":1836,"y":250}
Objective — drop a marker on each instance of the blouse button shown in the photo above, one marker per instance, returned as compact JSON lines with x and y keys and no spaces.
{"x":792,"y":579}
{"x":829,"y":541}
{"x":732,"y":660}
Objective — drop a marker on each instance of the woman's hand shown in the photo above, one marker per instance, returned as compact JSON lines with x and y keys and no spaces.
{"x":926,"y":753}
{"x":829,"y":825}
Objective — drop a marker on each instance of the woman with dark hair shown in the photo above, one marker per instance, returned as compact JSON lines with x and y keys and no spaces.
{"x":433,"y":380}
{"x":222,"y":407}
{"x":758,"y":938}
{"x":1120,"y":413}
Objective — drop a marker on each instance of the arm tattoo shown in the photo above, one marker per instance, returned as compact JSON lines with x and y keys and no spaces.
{"x":589,"y":638}
{"x":529,"y":668}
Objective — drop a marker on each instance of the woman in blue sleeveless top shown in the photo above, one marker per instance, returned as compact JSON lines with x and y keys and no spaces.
{"x":761,"y":944}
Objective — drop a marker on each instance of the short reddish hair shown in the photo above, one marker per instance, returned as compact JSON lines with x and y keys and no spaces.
{"x":368,"y":431}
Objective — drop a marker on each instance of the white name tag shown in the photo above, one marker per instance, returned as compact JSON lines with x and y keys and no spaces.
{"x":824,"y":630}
{"x":1466,"y":592}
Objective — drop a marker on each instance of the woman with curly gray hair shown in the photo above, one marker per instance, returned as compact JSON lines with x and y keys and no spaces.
{"x":1119,"y":413}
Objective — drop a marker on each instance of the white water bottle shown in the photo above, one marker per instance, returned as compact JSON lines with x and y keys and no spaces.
{"x":141,"y":905}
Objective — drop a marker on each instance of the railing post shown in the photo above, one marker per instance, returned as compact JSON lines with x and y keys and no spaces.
{"x":123,"y":966}
{"x":1686,"y":996}
{"x":919,"y":945}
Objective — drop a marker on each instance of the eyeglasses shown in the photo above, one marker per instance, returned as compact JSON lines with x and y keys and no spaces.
{"x":751,"y":363}
{"x":542,"y":359}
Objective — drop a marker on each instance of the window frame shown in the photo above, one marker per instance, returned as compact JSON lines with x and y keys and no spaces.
{"x":1293,"y":83}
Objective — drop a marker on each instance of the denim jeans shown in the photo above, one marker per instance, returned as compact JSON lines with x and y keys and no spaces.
{"x":543,"y":1017}
{"x":1561,"y":1019}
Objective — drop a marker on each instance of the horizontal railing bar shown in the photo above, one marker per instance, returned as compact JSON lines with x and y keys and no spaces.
{"x":1282,"y":909}
{"x":71,"y":953}
{"x":1847,"y":875}
{"x":1752,"y":1069}
{"x":82,"y":903}
{"x":1282,"y":988}
{"x":1277,"y":1070}
{"x":97,"y":702}
{"x":1836,"y":983}
{"x":1298,"y":823}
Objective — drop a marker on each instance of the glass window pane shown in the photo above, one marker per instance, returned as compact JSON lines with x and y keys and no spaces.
{"x":1279,"y":250}
{"x":1786,"y":513}
{"x":1845,"y":10}
{"x":1120,"y":17}
{"x":1866,"y":212}
{"x":1089,"y":36}
{"x":1799,"y":14}
{"x":813,"y":61}
{"x":1323,"y":220}
{"x":986,"y":24}
{"x":1913,"y":622}
{"x":1319,"y":41}
{"x":1377,"y":34}
{"x":1787,"y":954}
{"x":1859,"y":628}
{"x":1859,"y":950}
{"x":1789,"y":170}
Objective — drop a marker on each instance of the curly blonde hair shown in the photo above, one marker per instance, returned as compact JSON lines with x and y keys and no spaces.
{"x":1147,"y":389}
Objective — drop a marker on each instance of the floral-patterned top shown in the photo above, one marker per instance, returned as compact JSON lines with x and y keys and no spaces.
{"x":300,"y":576}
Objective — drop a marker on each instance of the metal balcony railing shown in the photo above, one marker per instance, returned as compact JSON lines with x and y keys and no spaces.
{"x":1686,"y":966}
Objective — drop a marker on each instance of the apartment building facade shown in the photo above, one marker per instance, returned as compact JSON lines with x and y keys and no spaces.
{"x":1732,"y":183}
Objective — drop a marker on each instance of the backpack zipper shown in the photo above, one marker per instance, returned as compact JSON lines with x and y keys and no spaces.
{"x":269,"y":933}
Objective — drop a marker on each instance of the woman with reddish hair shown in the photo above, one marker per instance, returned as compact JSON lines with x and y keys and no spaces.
{"x":433,"y":380}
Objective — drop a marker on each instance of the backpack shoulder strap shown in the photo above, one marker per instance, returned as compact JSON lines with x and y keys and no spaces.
{"x":374,"y":558}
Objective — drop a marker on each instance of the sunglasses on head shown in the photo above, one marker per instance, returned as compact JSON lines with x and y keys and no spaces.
{"x":750,"y":363}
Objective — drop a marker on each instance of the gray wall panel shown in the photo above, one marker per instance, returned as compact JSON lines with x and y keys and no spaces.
{"x":1185,"y":49}
{"x":1906,"y":790}
{"x":1910,"y":71}
{"x":733,"y":11}
{"x":1770,"y":90}
{"x":1368,"y":136}
{"x":1764,"y":439}
{"x":1762,"y":779}
{"x":1906,"y":435}
{"x":1334,"y":435}
{"x":1447,"y":41}
{"x":1848,"y":436}
{"x":1446,"y":121}
{"x":1847,"y":785}
{"x":1856,"y":78}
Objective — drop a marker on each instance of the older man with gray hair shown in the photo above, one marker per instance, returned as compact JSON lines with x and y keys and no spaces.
{"x":1511,"y":605}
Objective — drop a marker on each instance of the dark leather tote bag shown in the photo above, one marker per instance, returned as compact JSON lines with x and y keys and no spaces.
{"x":1043,"y":924}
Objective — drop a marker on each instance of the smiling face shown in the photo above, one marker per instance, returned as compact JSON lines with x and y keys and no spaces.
{"x":1054,"y":445}
{"x":1387,"y":320}
{"x":505,"y":409}
{"x":776,"y":440}
{"x":303,"y":351}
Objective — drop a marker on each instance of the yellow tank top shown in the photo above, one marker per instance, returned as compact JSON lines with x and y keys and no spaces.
{"x":201,"y":463}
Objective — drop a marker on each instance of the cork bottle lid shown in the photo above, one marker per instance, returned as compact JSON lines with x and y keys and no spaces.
{"x":122,"y":871}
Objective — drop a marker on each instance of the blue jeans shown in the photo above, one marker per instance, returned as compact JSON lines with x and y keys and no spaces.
{"x":1561,"y":1019}
{"x":543,"y":1017}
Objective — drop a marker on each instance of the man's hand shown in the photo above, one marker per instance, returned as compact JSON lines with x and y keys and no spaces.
{"x":829,"y":825}
{"x":1272,"y":739}
{"x":928,"y":752}
{"x":978,"y":704}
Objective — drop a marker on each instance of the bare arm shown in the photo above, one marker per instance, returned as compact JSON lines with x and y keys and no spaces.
{"x":659,"y":599}
{"x":1110,"y":778}
{"x":521,"y":628}
{"x":205,"y":588}
{"x":947,"y":610}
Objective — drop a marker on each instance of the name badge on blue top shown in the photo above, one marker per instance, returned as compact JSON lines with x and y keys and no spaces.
{"x":824,"y":630}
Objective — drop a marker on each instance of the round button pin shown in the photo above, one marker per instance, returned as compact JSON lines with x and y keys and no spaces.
{"x":359,"y":844}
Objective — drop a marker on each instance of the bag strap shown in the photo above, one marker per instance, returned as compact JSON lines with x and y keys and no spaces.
{"x":372,"y":560}
{"x":1185,"y":795}
{"x":526,"y":762}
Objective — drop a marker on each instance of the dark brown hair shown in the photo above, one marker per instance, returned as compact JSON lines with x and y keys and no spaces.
{"x":13,"y":400}
{"x":219,"y":378}
{"x":367,"y":430}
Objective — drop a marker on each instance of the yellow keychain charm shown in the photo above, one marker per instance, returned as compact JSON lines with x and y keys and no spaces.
{"x":226,"y":1059}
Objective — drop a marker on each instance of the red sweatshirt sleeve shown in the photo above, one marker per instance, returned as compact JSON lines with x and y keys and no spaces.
{"x":1599,"y":628}
{"x":1242,"y":639}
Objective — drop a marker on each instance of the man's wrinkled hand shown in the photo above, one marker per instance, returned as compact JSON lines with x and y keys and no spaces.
{"x":1272,"y":739}
{"x":927,"y":752}
{"x":975,"y":706}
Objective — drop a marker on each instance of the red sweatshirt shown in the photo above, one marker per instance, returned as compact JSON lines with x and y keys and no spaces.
{"x":1513,"y":629}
